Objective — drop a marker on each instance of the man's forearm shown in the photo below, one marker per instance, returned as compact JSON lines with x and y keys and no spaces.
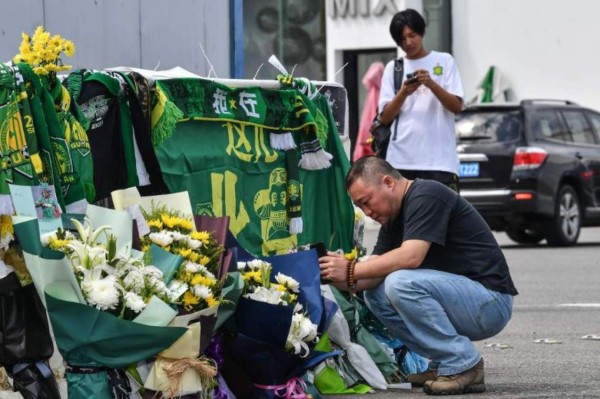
{"x":392,"y":109}
{"x":451,"y":102}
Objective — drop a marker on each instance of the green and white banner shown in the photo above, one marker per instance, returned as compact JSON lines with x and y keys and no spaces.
{"x":221,"y":153}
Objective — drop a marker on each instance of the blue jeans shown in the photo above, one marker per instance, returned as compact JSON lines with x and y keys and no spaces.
{"x":437,"y":315}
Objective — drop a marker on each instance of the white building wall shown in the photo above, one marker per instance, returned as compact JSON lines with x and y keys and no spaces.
{"x":359,"y":30}
{"x":544,"y":48}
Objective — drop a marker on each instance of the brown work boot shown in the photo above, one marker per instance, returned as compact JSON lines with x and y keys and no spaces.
{"x":418,"y":380}
{"x":470,"y":381}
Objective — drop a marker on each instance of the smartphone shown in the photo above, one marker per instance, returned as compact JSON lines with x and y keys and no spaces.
{"x":320,"y":247}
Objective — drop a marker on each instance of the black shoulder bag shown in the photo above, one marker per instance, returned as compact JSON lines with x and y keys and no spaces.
{"x":381,"y":133}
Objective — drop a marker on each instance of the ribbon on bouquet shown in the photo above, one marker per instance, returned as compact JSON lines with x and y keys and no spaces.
{"x":175,"y":369}
{"x":295,"y":388}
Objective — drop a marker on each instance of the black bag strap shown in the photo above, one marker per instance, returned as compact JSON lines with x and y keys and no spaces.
{"x":398,"y":73}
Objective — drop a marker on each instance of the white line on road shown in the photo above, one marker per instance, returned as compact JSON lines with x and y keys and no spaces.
{"x":581,"y":305}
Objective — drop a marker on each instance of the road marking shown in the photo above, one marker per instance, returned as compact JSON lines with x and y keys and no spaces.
{"x":581,"y":305}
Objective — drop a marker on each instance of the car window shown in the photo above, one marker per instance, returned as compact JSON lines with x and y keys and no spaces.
{"x":546,"y":124}
{"x":581,"y":131}
{"x":595,"y":118}
{"x":487,"y":126}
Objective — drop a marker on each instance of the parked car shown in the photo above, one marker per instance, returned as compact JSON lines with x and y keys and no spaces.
{"x":532,"y":169}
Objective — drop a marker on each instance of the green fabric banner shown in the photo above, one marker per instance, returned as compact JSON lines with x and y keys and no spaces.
{"x":221,"y":154}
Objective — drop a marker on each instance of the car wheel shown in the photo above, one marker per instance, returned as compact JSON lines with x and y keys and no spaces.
{"x":524,"y":236}
{"x":563,"y":230}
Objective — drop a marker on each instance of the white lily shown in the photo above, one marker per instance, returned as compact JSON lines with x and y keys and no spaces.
{"x":86,"y":234}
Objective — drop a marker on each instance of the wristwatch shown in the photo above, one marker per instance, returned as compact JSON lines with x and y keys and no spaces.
{"x":376,"y":123}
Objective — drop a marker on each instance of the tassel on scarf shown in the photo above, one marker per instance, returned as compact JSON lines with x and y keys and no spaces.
{"x":165,"y":116}
{"x":282,"y":141}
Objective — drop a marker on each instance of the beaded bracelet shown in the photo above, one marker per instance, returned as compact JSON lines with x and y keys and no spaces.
{"x":350,"y":280}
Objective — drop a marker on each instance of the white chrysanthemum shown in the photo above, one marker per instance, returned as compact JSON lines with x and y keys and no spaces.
{"x":177,"y":236}
{"x":152,"y":272}
{"x":192,"y":267}
{"x":241,"y":265}
{"x":202,"y":291}
{"x":288,"y":282}
{"x":256,"y":264}
{"x":162,"y":239}
{"x":45,"y":238}
{"x":134,"y":280}
{"x":134,"y":302}
{"x":176,"y":289}
{"x":102,"y":293}
{"x":159,"y":286}
{"x":194,"y":244}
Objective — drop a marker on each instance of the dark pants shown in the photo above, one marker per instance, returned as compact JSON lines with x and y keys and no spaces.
{"x":446,"y":178}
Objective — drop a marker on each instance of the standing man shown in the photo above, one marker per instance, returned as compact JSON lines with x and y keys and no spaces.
{"x":438,"y":279}
{"x":422,"y":142}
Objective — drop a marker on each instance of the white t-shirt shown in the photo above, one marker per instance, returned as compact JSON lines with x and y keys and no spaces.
{"x":423,"y":135}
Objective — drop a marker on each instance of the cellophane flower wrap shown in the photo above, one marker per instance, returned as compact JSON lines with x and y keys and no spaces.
{"x":282,"y":292}
{"x":273,"y":358}
{"x":195,"y":287}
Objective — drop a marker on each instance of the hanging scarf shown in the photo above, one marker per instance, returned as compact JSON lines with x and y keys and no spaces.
{"x":16,"y":131}
{"x":72,"y":192}
{"x":77,"y":140}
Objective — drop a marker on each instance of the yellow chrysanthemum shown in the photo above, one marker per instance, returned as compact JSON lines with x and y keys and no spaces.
{"x":352,"y":255}
{"x":194,"y":257}
{"x":155,"y":223}
{"x":199,"y":279}
{"x":204,"y":260}
{"x":211,"y":301}
{"x":57,"y":244}
{"x":169,"y":221}
{"x":185,"y":252}
{"x":255,"y":275}
{"x":186,"y":224}
{"x":279,"y":287}
{"x":189,"y":300}
{"x":69,"y":48}
{"x":42,"y":52}
{"x":203,"y":236}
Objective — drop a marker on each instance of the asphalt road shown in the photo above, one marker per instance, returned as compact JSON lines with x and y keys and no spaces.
{"x":559,"y":300}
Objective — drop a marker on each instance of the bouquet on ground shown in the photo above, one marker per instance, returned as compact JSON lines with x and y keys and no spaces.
{"x":195,"y":286}
{"x":273,"y":358}
{"x":93,"y":292}
{"x":283,"y":292}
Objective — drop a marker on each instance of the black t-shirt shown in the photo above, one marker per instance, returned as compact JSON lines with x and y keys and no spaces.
{"x":461,"y":241}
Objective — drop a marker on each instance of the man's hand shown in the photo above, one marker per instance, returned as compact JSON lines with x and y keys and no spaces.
{"x":333,"y":267}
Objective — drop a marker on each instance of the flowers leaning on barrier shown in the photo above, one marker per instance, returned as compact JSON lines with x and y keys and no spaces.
{"x":104,"y":305}
{"x":258,"y":287}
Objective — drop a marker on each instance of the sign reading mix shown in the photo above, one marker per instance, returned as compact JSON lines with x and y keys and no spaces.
{"x":220,"y":152}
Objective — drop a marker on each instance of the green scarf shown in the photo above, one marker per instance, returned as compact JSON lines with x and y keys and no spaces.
{"x":15,"y":133}
{"x":71,"y":185}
